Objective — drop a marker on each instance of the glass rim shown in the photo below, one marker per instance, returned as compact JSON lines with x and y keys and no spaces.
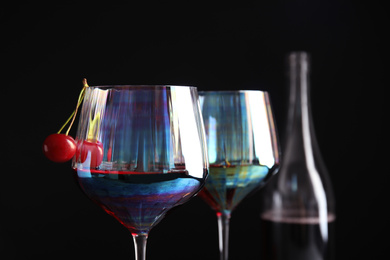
{"x":230,"y":91}
{"x":139,"y":86}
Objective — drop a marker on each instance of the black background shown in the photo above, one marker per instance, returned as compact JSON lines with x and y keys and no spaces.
{"x":47,"y":50}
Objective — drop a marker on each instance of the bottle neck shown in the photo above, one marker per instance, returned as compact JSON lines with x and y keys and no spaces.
{"x":299,"y":132}
{"x":299,"y":103}
{"x":302,"y":155}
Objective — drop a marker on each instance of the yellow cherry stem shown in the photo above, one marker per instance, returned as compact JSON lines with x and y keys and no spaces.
{"x":74,"y":113}
{"x":67,"y":121}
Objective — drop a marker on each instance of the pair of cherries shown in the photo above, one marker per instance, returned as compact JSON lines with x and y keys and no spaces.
{"x":62,"y":147}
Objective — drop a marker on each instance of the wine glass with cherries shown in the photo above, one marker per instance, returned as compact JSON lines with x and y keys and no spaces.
{"x":242,"y":150}
{"x":141,"y":150}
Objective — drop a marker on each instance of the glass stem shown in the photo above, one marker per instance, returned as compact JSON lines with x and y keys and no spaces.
{"x":140,"y":246}
{"x":223,"y":233}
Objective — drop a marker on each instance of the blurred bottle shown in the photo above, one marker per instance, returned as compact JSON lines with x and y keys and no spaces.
{"x":298,"y":213}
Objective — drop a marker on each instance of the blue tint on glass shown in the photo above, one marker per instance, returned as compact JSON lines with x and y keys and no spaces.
{"x":241,"y":143}
{"x":141,"y":150}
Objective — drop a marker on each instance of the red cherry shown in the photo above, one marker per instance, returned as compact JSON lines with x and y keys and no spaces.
{"x":59,"y":147}
{"x":91,"y":149}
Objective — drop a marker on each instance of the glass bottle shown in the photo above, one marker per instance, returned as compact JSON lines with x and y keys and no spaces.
{"x":298,"y":211}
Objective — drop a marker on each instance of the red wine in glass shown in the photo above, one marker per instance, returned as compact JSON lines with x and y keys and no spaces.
{"x":137,"y":201}
{"x":227,"y":186}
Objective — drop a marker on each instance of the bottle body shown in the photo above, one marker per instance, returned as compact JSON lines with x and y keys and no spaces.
{"x":296,"y":240}
{"x":298,"y":213}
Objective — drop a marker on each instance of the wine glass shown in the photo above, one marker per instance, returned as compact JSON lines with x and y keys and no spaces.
{"x":242,"y":150}
{"x":140,"y":151}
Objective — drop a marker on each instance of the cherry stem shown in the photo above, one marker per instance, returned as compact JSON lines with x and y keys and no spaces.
{"x":74,"y":113}
{"x":67,"y":121}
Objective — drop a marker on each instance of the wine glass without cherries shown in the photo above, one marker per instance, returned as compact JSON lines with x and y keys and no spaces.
{"x":141,"y":150}
{"x":242,"y":150}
